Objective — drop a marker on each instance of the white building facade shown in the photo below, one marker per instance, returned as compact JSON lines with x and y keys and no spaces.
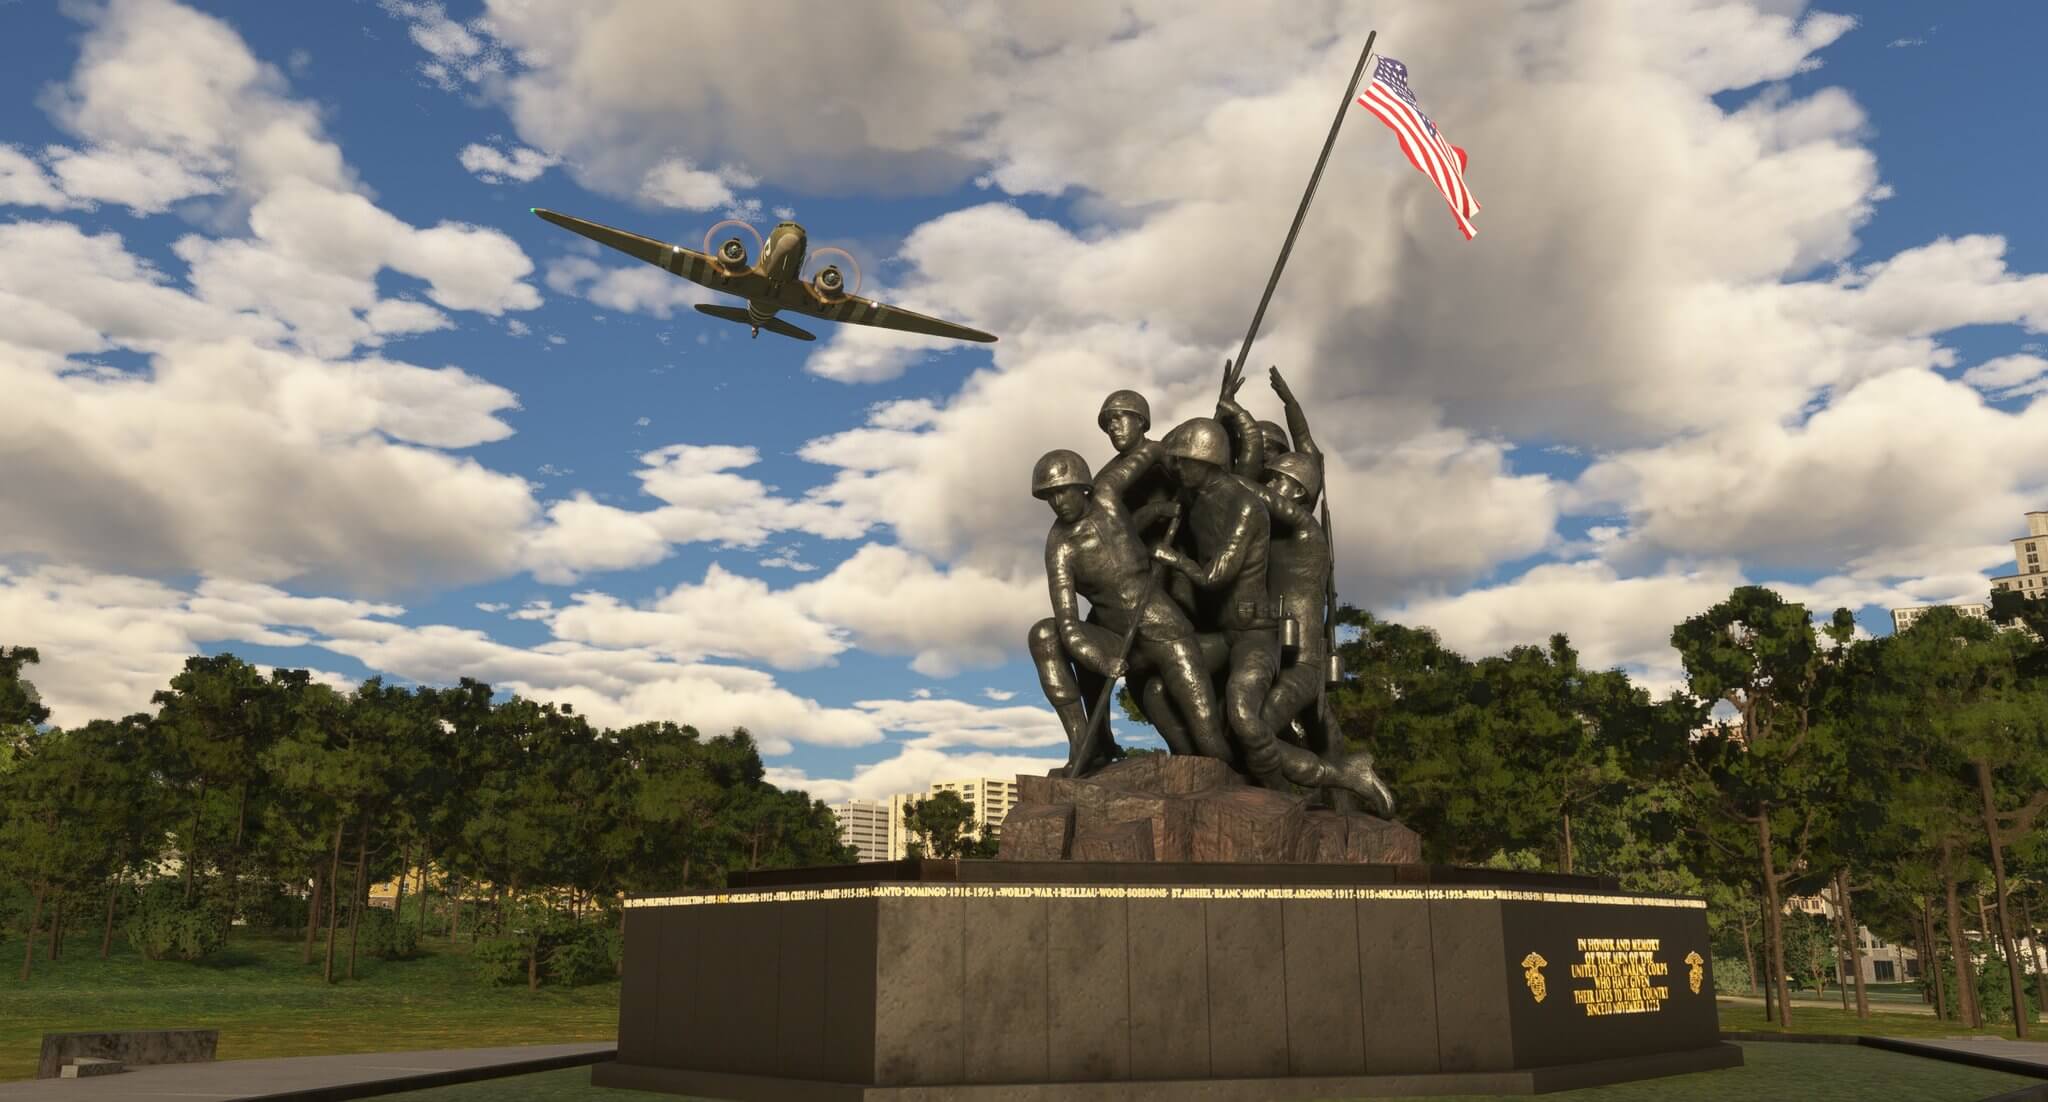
{"x":990,"y":797}
{"x":2030,"y":579}
{"x":2028,"y":552}
{"x":875,"y":827}
{"x":1883,"y":961}
{"x":1902,"y":618}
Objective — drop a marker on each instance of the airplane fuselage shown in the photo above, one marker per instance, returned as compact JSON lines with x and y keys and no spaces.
{"x":782,"y":262}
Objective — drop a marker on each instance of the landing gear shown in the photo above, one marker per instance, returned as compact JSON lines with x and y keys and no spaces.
{"x":757,"y":332}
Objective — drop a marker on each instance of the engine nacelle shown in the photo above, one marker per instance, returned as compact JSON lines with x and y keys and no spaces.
{"x":733,"y":254}
{"x":832,"y":281}
{"x":829,"y":283}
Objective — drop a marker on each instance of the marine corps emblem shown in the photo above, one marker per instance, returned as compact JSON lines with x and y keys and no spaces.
{"x":1532,"y":973}
{"x":1697,"y":974}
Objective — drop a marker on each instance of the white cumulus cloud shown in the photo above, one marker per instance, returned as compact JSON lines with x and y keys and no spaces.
{"x":493,"y":166}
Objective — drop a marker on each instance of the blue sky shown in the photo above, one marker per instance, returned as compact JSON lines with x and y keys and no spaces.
{"x":1023,"y":178}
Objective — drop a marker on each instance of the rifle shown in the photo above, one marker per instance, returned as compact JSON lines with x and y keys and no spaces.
{"x":1333,"y":672}
{"x":1085,"y":747}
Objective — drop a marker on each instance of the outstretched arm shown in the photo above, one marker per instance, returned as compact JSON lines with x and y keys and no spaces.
{"x":1251,"y":443}
{"x":1297,"y":422}
{"x":1117,"y":478}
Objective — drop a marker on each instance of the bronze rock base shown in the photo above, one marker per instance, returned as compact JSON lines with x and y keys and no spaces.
{"x":1161,"y":807}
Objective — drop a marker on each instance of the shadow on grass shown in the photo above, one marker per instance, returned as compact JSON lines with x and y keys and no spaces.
{"x":1773,"y":1072}
{"x":228,"y":959}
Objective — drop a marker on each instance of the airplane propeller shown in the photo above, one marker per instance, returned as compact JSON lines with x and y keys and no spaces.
{"x":732,"y":254}
{"x":825,"y":274}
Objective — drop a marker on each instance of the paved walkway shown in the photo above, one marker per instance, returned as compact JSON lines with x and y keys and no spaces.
{"x":1877,"y":1006}
{"x":2006,"y":1048}
{"x":299,"y":1076}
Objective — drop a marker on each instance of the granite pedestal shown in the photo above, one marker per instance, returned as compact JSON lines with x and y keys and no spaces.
{"x":1071,"y":980}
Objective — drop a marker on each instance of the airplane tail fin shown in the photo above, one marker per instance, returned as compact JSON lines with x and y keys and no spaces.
{"x":773,"y":325}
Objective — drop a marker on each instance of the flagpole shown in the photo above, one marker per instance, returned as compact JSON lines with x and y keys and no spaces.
{"x":1287,"y":246}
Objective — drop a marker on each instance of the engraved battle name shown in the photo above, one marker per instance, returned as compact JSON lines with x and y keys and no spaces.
{"x":1624,"y":974}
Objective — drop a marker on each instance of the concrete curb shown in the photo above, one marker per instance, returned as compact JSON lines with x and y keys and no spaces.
{"x":344,"y":1091}
{"x":2036,"y":1093}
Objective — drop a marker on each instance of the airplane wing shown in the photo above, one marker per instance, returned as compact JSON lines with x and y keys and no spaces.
{"x":855,"y":310}
{"x":674,"y":259}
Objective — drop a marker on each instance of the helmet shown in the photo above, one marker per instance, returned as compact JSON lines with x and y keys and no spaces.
{"x":1276,"y":437}
{"x":1302,"y":468}
{"x":1202,"y":438}
{"x":1125,"y":401}
{"x":1056,"y":469}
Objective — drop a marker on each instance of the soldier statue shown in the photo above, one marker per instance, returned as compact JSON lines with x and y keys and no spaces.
{"x":1125,"y":418}
{"x":1232,"y":534}
{"x":1299,"y":579}
{"x":1246,"y":597}
{"x":1092,"y":550}
{"x":1232,"y":520}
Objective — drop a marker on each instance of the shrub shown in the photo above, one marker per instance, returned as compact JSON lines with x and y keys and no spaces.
{"x":15,"y":907}
{"x":1731,"y":977}
{"x":270,"y":905}
{"x":381,"y":934}
{"x":576,"y":953}
{"x":1994,"y":991}
{"x":478,"y":918}
{"x":162,"y":924}
{"x":1994,"y":997}
{"x":500,"y":960}
{"x":571,"y":954}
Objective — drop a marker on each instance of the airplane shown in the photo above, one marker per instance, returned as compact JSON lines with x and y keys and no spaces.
{"x":772,"y":284}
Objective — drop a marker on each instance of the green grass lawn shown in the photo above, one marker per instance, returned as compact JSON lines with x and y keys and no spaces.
{"x":1812,"y":1073}
{"x":1749,"y":1017}
{"x":1892,"y":992}
{"x":1879,"y":993}
{"x":1895,"y":993}
{"x":266,"y":1003}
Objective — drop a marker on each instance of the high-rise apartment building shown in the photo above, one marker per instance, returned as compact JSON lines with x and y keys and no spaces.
{"x":864,"y":825}
{"x":875,"y":827}
{"x":990,"y":797}
{"x":2027,"y":553}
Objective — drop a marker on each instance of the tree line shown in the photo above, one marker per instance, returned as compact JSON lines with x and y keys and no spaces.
{"x":1904,"y":775}
{"x":278,"y":795}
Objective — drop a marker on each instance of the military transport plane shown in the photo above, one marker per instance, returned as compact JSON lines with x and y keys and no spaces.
{"x":772,"y":284}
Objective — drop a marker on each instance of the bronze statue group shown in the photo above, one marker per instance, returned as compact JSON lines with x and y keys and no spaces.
{"x":1208,"y":580}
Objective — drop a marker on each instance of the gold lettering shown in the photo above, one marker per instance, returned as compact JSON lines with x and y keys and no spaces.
{"x":1621,"y":971}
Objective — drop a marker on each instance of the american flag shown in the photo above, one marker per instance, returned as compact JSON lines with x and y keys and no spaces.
{"x":1389,"y":99}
